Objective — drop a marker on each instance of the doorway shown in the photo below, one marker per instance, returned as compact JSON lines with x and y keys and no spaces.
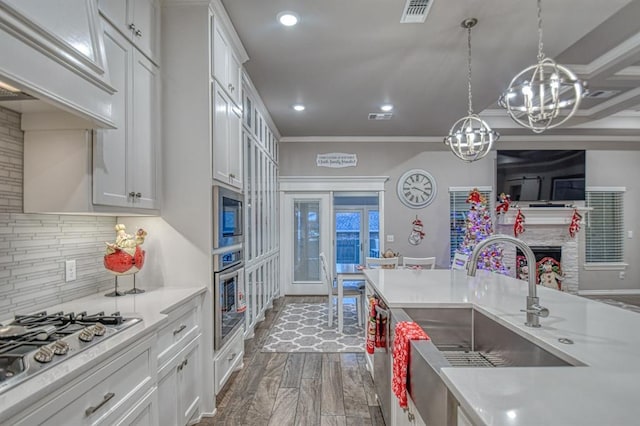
{"x":356,"y":227}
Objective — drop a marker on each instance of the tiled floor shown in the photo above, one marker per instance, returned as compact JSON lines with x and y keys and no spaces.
{"x":296,"y":388}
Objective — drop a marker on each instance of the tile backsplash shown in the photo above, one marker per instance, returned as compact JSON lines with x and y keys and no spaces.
{"x":34,"y":247}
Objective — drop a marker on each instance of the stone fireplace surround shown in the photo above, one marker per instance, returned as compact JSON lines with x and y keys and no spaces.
{"x":545,"y":226}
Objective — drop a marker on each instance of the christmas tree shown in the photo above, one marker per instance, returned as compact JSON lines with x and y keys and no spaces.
{"x":478,"y":226}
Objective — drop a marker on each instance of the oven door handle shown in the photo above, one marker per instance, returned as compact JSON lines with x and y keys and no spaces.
{"x":227,"y":275}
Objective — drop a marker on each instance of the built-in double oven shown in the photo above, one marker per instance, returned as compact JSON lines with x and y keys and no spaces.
{"x":228,"y":264}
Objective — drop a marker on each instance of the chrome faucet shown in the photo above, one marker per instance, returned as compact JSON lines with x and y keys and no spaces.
{"x":534,"y":310}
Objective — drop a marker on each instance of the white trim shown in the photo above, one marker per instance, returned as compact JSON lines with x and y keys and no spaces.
{"x":611,"y":57}
{"x":605,"y":266}
{"x":632,"y":72}
{"x":620,"y":292}
{"x":331,"y":183}
{"x":350,"y":139}
{"x":606,"y":189}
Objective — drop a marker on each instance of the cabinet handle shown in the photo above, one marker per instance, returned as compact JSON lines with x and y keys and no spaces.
{"x":138,"y":33}
{"x":89,"y":411}
{"x":183,"y":364}
{"x":232,"y":176}
{"x":230,"y":87}
{"x":138,"y":194}
{"x":179,"y":329}
{"x":410,"y":416}
{"x":232,"y":356}
{"x":132,"y":194}
{"x":132,"y":26}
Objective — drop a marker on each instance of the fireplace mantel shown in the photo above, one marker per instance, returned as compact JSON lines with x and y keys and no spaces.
{"x":542,"y":215}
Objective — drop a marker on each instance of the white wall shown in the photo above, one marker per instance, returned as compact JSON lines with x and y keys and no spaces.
{"x":604,"y":168}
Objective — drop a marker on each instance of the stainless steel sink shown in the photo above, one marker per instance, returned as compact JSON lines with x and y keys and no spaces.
{"x":461,"y":337}
{"x":468,"y":338}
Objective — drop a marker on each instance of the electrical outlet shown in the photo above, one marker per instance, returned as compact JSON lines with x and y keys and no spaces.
{"x":390,"y":238}
{"x":70,"y":270}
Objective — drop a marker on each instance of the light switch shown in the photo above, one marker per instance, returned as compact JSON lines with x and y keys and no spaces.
{"x":629,"y":234}
{"x":390,"y":238}
{"x":70,"y":270}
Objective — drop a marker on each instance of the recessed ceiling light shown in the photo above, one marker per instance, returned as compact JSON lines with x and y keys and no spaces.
{"x":288,"y":19}
{"x":299,"y":107}
{"x":386,"y":107}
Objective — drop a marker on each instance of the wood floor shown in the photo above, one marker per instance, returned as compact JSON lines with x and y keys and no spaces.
{"x":296,"y":388}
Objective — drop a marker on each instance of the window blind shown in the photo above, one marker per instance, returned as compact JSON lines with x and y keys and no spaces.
{"x":458,"y":208}
{"x":605,"y":227}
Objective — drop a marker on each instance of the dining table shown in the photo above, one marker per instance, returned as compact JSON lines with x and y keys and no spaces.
{"x":346,"y":272}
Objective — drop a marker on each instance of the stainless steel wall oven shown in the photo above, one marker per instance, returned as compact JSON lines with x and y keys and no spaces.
{"x":229,"y":294}
{"x":228,"y":223}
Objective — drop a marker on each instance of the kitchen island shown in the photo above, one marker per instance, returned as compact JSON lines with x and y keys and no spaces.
{"x":601,"y":390}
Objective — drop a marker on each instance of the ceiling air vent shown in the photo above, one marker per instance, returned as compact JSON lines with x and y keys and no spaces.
{"x":380,"y":115}
{"x":601,"y":94}
{"x":415,"y":11}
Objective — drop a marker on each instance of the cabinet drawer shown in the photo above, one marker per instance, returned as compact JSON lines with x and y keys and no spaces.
{"x":228,"y":359}
{"x":183,"y":325}
{"x":106,"y":394}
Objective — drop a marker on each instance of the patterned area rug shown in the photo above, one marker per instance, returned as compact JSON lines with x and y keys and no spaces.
{"x":303,"y":327}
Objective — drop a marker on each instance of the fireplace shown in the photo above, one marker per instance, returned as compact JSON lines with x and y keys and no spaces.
{"x":548,"y":266}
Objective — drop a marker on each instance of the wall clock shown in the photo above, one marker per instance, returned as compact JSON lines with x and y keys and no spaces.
{"x":416,"y":189}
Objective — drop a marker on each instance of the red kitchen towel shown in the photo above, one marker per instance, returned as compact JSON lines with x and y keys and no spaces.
{"x":405,"y":332}
{"x":376,"y":328}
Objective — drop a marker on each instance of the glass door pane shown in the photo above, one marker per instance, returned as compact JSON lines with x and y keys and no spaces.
{"x":306,"y":241}
{"x":349,"y":226}
{"x":374,"y":232}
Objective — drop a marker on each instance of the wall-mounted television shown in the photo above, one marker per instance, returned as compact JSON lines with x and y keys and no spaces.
{"x":541,"y":175}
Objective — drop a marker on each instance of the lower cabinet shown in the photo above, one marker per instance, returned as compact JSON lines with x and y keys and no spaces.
{"x":144,"y":413}
{"x":228,"y":359}
{"x":111,"y":391}
{"x":405,"y":416}
{"x":179,"y":386}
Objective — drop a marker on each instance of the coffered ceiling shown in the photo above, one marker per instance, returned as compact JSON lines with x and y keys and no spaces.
{"x":346,"y":58}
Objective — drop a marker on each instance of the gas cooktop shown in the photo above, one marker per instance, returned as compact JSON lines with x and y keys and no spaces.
{"x":32,"y":343}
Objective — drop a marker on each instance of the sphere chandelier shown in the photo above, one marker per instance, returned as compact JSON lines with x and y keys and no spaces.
{"x":544,"y":95}
{"x":470,"y":138}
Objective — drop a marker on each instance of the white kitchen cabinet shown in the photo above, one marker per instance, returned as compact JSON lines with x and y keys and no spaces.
{"x":125,"y":159}
{"x":144,"y":413}
{"x":228,"y":359}
{"x":225,"y":65}
{"x":405,"y":417}
{"x":227,"y":143}
{"x":138,"y":20}
{"x":111,"y":391}
{"x":179,"y":386}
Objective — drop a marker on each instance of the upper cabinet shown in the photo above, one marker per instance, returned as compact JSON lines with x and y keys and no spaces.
{"x":225,"y":64}
{"x":125,"y":159}
{"x":227,"y":142}
{"x":41,"y":39}
{"x":138,"y":20}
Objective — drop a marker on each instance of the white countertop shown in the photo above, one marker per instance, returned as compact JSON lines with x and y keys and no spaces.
{"x":605,"y":391}
{"x":149,"y":306}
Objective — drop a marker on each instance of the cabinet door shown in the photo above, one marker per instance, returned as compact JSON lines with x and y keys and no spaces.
{"x":116,"y":12}
{"x":167,"y":397}
{"x":220,"y":56}
{"x":146,"y":14}
{"x":145,"y":139}
{"x":220,"y":151}
{"x":235,"y":146}
{"x":189,"y":385}
{"x":233,"y":77}
{"x":110,"y":157}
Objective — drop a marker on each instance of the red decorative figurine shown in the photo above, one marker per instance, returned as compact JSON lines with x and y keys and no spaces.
{"x":518,"y":225}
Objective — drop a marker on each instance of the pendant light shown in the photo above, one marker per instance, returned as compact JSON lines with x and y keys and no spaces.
{"x":544,"y":95}
{"x":470,"y":138}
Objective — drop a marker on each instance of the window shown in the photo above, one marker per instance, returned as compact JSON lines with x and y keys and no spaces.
{"x":458,"y":208}
{"x":605,"y":225}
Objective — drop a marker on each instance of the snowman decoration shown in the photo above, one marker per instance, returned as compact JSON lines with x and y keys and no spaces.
{"x":417,"y":234}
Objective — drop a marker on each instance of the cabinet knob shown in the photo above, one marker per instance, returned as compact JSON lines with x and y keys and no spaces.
{"x":132,"y":26}
{"x":138,"y":194}
{"x":231,"y":88}
{"x":132,"y":194}
{"x":138,"y":33}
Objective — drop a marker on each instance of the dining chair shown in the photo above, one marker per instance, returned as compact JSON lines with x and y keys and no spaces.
{"x":351,"y":290}
{"x":381,"y":262}
{"x":425,"y":262}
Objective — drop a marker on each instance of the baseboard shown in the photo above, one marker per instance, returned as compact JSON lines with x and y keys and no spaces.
{"x":612,"y":292}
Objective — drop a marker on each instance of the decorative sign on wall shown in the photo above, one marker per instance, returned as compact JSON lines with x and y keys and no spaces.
{"x":336,"y":160}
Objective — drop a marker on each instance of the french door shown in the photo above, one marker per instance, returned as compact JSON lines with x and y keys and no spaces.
{"x":356,"y":234}
{"x":307,"y":234}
